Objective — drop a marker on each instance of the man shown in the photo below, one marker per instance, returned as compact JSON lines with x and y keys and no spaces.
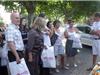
{"x":14,"y":39}
{"x":42,"y":14}
{"x":95,"y":31}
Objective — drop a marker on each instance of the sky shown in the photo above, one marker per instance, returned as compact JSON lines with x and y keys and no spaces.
{"x":5,"y":15}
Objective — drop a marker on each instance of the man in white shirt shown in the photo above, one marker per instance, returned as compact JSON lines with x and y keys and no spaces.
{"x":14,"y":39}
{"x":95,"y":31}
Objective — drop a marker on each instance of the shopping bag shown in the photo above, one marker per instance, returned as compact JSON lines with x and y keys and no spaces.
{"x":47,"y":38}
{"x":48,"y":58}
{"x":76,"y":41}
{"x":77,"y":44}
{"x":18,"y":69}
{"x":4,"y":55}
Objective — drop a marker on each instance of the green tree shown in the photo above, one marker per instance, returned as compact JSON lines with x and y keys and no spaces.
{"x":54,"y":9}
{"x":29,"y":6}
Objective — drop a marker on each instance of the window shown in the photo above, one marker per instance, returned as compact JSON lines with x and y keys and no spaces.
{"x":84,"y":29}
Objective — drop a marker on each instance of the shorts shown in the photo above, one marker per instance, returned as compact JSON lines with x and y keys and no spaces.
{"x":96,"y":47}
{"x":59,"y":50}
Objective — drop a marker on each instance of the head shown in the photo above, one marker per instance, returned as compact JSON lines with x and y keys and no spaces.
{"x":42,"y":14}
{"x":49,"y":24}
{"x":71,"y":23}
{"x":90,"y":21}
{"x":69,"y":20}
{"x":39,"y":24}
{"x":15,"y":18}
{"x":97,"y":16}
{"x":23,"y":21}
{"x":57,"y":24}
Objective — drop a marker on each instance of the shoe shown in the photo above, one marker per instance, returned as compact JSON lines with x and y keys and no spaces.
{"x":67,"y":68}
{"x":57,"y":70}
{"x":51,"y":72}
{"x":67,"y":65}
{"x":89,"y":69}
{"x":75,"y":65}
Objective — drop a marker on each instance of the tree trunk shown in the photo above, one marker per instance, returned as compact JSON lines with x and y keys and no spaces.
{"x":30,"y":19}
{"x":30,"y":7}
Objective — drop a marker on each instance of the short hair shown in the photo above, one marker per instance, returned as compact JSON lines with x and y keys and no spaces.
{"x":97,"y":14}
{"x":13,"y":13}
{"x":39,"y":23}
{"x":21,"y":19}
{"x":42,"y":14}
{"x":48,"y":24}
{"x":56,"y":22}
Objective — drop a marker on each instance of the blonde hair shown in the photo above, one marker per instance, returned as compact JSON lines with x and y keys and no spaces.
{"x":39,"y":23}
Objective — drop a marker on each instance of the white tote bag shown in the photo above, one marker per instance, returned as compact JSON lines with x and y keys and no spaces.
{"x":76,"y":41}
{"x":18,"y":69}
{"x":48,"y":58}
{"x":77,"y":44}
{"x":4,"y":55}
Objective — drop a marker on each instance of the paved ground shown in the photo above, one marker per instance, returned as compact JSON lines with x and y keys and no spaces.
{"x":84,"y":59}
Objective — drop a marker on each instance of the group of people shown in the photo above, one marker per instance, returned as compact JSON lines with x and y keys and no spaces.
{"x":23,"y":42}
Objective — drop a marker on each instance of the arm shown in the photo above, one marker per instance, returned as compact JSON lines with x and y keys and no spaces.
{"x":30,"y":44}
{"x":94,"y":31}
{"x":13,"y":50}
{"x":30,"y":57}
{"x":97,"y":32}
{"x":77,"y":31}
{"x":66,"y":34}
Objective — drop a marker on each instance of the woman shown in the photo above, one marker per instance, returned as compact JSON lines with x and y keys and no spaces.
{"x":23,"y":29}
{"x":58,"y":46}
{"x":35,"y":46}
{"x":23,"y":25}
{"x":70,"y":35}
{"x":47,"y":42}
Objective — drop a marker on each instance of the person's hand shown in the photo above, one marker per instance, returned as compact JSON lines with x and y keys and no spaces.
{"x":98,"y":33}
{"x":18,"y":60}
{"x":45,"y":47}
{"x":30,"y":59}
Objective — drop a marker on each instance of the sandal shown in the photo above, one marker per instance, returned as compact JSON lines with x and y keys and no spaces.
{"x":89,"y":69}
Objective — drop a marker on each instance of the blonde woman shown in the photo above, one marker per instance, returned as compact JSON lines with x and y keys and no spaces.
{"x":35,"y":46}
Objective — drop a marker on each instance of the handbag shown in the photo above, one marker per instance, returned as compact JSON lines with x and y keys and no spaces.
{"x":76,"y":41}
{"x":77,"y":44}
{"x":18,"y":69}
{"x":48,"y":58}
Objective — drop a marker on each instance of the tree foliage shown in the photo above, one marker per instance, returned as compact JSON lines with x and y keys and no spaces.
{"x":54,"y":9}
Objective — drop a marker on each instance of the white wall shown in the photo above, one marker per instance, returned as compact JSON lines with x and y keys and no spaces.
{"x":5,"y":15}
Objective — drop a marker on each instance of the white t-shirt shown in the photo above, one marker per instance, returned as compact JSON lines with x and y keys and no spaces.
{"x":95,"y":26}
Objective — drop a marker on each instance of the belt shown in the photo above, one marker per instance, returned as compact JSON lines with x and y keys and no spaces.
{"x":96,"y":38}
{"x":19,"y":50}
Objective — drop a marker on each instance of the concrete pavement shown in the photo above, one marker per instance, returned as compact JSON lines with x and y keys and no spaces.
{"x":84,"y":59}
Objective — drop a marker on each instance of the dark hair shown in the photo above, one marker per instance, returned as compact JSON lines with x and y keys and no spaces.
{"x":97,"y":14}
{"x":48,"y":24}
{"x":23,"y":28}
{"x":42,"y":14}
{"x":22,"y":20}
{"x":55,"y":22}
